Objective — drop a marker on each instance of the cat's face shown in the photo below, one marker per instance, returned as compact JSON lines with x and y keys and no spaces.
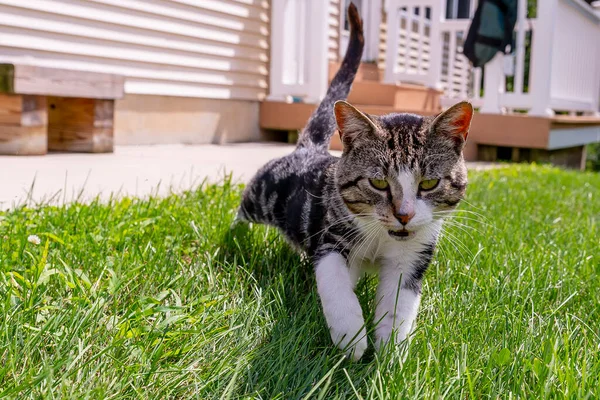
{"x":402,"y":171}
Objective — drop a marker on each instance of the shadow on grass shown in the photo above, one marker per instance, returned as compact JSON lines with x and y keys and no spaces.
{"x":297,"y":352}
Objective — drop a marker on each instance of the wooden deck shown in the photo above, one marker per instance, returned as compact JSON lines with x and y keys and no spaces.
{"x":517,"y":137}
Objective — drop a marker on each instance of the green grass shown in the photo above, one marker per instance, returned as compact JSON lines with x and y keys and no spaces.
{"x":156,"y":299}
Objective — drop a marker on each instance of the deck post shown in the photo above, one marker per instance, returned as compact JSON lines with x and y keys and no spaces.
{"x":391,"y":49}
{"x":541,"y":58}
{"x":299,"y":64}
{"x":438,"y":15}
{"x":493,"y":85}
{"x":317,"y":61}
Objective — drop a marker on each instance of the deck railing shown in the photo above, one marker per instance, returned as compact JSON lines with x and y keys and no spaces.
{"x":555,"y":65}
{"x":458,"y":79}
{"x":425,"y":48}
{"x":564,"y":57}
{"x":413,"y":41}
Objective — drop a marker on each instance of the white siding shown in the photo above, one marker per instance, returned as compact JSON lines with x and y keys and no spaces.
{"x":208,"y":49}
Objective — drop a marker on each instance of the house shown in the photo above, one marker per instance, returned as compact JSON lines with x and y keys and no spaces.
{"x":217,"y":71}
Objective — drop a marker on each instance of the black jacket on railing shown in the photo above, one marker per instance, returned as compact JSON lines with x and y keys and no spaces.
{"x":491,"y":31}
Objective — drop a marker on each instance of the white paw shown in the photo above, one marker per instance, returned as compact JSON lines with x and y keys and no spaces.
{"x":385,"y":332}
{"x":350,"y":336}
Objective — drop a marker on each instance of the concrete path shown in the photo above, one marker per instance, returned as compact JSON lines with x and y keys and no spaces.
{"x":130,"y":170}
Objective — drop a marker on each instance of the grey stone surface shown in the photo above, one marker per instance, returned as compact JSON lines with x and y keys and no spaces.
{"x":129,"y":171}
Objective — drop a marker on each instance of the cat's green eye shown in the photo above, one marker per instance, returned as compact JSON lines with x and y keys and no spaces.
{"x":379,"y":184}
{"x":428,"y":184}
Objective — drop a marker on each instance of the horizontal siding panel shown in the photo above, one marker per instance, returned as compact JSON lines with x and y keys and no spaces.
{"x":157,"y":23}
{"x":252,"y":10}
{"x":31,"y":20}
{"x":131,"y":69}
{"x":209,"y":48}
{"x":185,"y":13}
{"x":23,"y":39}
{"x":187,"y":90}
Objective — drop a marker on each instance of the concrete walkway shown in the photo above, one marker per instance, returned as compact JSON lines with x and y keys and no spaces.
{"x":130,"y":170}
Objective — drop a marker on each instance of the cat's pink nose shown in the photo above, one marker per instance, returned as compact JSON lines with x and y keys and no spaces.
{"x":405,"y":218}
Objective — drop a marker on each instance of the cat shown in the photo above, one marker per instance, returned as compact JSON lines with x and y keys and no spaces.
{"x":380,"y":205}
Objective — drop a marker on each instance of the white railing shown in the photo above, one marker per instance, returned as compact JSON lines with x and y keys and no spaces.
{"x":459,"y":80}
{"x":423,"y":47}
{"x":564,"y":67}
{"x":496,"y":98}
{"x":413,"y":41}
{"x":299,"y":50}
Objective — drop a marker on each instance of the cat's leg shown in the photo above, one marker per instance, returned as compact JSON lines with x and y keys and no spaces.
{"x":335,"y":284}
{"x":398,"y":298}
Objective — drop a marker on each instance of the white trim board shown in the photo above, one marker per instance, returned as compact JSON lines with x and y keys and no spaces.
{"x":571,"y":137}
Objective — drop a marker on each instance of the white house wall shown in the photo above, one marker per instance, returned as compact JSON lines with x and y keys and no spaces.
{"x":215,"y":49}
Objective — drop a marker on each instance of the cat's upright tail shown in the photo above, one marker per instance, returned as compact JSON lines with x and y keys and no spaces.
{"x":321,"y":125}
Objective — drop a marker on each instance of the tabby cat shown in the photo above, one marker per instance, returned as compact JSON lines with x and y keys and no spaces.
{"x":380,"y":206}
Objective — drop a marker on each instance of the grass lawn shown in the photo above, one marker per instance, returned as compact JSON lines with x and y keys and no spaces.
{"x":156,"y":299}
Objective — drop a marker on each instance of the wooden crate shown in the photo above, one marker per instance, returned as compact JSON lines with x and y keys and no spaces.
{"x":80,"y":125}
{"x":54,"y":109}
{"x":23,"y":125}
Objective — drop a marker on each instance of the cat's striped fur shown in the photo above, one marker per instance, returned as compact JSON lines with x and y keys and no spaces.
{"x":328,"y":207}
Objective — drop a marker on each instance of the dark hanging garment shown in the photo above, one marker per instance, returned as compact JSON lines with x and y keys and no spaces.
{"x":491,"y":31}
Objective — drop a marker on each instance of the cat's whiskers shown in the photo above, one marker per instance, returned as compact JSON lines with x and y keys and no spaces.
{"x":463,"y":211}
{"x":370,"y":234}
{"x":468,"y":221}
{"x":471,"y":205}
{"x":345,"y":218}
{"x":347,"y":238}
{"x":314,"y":196}
{"x":456,"y":241}
{"x":452,"y":220}
{"x":464,"y":228}
{"x":443,"y":239}
{"x":446,"y":217}
{"x":358,"y":231}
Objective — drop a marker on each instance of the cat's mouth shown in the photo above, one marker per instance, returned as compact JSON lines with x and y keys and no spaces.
{"x":401,"y":234}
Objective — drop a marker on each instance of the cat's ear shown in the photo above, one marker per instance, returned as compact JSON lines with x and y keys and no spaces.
{"x":454,"y":123}
{"x":351,"y":123}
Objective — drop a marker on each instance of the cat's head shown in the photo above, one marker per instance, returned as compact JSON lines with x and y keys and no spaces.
{"x":402,"y":171}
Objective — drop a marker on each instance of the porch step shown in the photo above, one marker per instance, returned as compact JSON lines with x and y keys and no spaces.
{"x":280,"y":116}
{"x":400,"y":97}
{"x":369,"y":89}
{"x":366,"y":72}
